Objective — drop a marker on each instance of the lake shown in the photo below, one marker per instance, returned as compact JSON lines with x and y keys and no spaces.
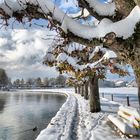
{"x":21,"y":113}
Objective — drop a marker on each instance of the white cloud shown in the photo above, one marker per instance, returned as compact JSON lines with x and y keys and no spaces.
{"x":22,"y":52}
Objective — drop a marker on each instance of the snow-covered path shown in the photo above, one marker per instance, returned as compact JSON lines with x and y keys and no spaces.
{"x":74,"y":121}
{"x":93,"y":126}
{"x":74,"y":124}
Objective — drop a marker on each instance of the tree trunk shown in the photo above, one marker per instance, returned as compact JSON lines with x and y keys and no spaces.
{"x":78,"y":89}
{"x":94,"y":99}
{"x":75,"y":89}
{"x":137,"y":73}
{"x":135,"y":62}
{"x":86,"y":91}
{"x":139,"y":93}
{"x":82,"y":90}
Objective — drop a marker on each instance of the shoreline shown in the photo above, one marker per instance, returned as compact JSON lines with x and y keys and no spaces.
{"x":73,"y":121}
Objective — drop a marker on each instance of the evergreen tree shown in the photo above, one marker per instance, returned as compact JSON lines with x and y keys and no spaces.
{"x":3,"y":78}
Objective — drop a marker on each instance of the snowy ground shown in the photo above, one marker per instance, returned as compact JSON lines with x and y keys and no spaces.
{"x":74,"y":121}
{"x":120,"y":95}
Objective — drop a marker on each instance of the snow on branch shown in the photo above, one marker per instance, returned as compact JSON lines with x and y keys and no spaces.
{"x":74,"y":47}
{"x":83,"y":13}
{"x":106,"y":26}
{"x":102,"y":8}
{"x":108,"y":54}
{"x":50,"y":11}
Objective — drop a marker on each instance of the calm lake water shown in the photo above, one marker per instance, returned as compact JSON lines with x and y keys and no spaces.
{"x":21,"y":112}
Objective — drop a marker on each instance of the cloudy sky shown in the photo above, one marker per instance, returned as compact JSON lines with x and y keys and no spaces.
{"x":22,"y":48}
{"x":22,"y":52}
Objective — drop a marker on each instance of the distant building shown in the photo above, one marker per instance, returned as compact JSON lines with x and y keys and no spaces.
{"x":120,"y":83}
{"x":105,"y":83}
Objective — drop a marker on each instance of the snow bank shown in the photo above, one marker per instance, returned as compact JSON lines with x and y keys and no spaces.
{"x":60,"y":125}
{"x":124,"y":90}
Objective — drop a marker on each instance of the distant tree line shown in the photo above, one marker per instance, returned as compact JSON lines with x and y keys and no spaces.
{"x":59,"y":81}
{"x":4,"y":80}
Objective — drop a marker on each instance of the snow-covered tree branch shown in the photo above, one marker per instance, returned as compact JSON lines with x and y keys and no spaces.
{"x":48,"y":10}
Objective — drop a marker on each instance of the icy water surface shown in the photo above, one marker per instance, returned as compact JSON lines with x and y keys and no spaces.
{"x":21,"y":112}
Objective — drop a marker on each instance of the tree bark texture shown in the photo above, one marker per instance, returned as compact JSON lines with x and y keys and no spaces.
{"x":86,"y":91}
{"x":137,"y":74}
{"x":135,"y":57}
{"x":94,"y":99}
{"x":78,"y":89}
{"x":82,"y":90}
{"x":75,"y":89}
{"x":139,"y":93}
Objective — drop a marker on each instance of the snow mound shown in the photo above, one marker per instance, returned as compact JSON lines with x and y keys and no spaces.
{"x":60,"y":125}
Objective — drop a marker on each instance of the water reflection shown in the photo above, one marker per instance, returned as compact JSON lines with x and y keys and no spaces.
{"x":24,"y":111}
